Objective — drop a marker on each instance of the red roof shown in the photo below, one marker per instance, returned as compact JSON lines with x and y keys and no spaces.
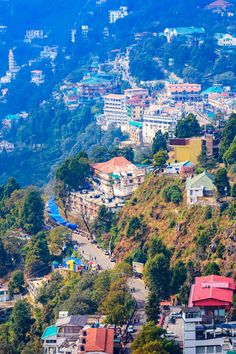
{"x":184,"y":87}
{"x":100,"y":340}
{"x":220,"y":4}
{"x":212,"y":290}
{"x":116,"y":165}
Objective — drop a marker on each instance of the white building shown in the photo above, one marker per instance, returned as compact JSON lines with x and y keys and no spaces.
{"x":34,"y":34}
{"x":227,"y":40}
{"x":115,"y":15}
{"x":37,"y":77}
{"x":200,"y":189}
{"x":85,"y":31}
{"x":198,"y":339}
{"x":155,"y":119}
{"x":4,"y":294}
{"x":115,"y":110}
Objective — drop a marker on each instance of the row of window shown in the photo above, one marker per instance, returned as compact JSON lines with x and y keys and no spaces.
{"x":209,"y":350}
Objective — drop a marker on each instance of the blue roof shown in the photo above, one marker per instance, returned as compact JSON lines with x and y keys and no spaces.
{"x":189,"y":30}
{"x":136,"y":124}
{"x":213,"y":89}
{"x":50,"y":331}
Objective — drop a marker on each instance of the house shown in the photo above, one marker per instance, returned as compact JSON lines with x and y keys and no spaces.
{"x":117,"y":177}
{"x":226,"y":40}
{"x":135,"y":132}
{"x":37,"y":77}
{"x":64,"y":336}
{"x":179,"y":168}
{"x":97,"y":340}
{"x":171,"y":33}
{"x":4,"y":293}
{"x":35,"y":284}
{"x":184,"y":92}
{"x":201,"y":189}
{"x":185,"y":149}
{"x":213,"y":294}
{"x":115,"y":15}
{"x":206,"y":326}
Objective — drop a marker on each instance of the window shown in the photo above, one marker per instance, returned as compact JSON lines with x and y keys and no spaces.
{"x":210,"y":349}
{"x":218,"y":349}
{"x":200,"y":350}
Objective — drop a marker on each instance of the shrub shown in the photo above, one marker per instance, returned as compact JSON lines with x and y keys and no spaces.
{"x":172,"y":194}
{"x":208,"y":212}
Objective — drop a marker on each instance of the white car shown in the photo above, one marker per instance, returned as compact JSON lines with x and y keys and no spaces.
{"x":106,"y":252}
{"x":130,"y":329}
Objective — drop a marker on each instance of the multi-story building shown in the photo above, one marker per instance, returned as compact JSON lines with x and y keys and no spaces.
{"x":115,"y":15}
{"x":64,"y":336}
{"x":206,"y":326}
{"x":184,"y":92}
{"x":4,"y":293}
{"x":155,"y":119}
{"x":185,"y":149}
{"x":33,"y":34}
{"x":94,"y":86}
{"x":115,"y":111}
{"x":97,"y":340}
{"x":226,"y":40}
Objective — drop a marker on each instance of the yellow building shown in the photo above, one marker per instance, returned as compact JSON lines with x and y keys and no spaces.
{"x":185,"y":149}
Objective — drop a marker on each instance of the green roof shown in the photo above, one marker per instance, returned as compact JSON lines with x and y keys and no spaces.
{"x":205,"y":180}
{"x":189,"y":30}
{"x":50,"y":331}
{"x":95,"y":81}
{"x":12,"y":116}
{"x":136,"y":124}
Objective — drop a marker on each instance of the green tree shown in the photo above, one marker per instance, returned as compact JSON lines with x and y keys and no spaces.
{"x":188,"y":127}
{"x":74,"y":171}
{"x":159,"y":142}
{"x":229,"y":156}
{"x":233,"y":190}
{"x":37,"y":255}
{"x":21,"y":322}
{"x":32,"y":212}
{"x":3,"y":258}
{"x":10,"y":187}
{"x":16,"y":282}
{"x":212,"y":269}
{"x":155,"y":347}
{"x":157,"y":275}
{"x":152,"y":308}
{"x":222,"y":182}
{"x":179,"y":275}
{"x":149,"y":333}
{"x":103,"y":221}
{"x":6,"y":347}
{"x":228,"y":134}
{"x":160,"y":158}
{"x":172,"y":194}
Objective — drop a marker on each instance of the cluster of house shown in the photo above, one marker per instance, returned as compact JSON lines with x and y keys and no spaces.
{"x":206,"y":324}
{"x":6,"y":146}
{"x":76,"y":334}
{"x":220,"y":99}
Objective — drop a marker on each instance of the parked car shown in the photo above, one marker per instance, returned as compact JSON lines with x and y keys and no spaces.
{"x":106,"y":252}
{"x":130,"y":329}
{"x":93,"y":241}
{"x":112,"y":259}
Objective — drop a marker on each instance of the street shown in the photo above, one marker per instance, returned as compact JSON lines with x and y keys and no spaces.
{"x":140,"y":293}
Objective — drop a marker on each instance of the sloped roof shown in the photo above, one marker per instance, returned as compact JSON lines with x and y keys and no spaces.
{"x":116,"y":165}
{"x":100,"y":340}
{"x":189,"y":30}
{"x":205,"y":180}
{"x":73,"y":320}
{"x":50,"y":331}
{"x":222,"y":4}
{"x":212,"y":287}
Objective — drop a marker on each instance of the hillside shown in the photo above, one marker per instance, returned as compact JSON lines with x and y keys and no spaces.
{"x":198,"y":234}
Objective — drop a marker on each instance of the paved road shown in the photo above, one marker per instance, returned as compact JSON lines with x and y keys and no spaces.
{"x":140,"y":293}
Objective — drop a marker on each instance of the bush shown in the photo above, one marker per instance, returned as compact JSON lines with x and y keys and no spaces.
{"x":208,"y":212}
{"x":172,"y":194}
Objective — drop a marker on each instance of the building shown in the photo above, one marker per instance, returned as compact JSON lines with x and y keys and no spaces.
{"x":226,"y":40}
{"x":206,"y":326}
{"x":33,"y":34}
{"x":94,"y":86}
{"x":64,"y":336}
{"x":85,"y":31}
{"x":171,"y":33}
{"x":37,"y":77}
{"x":115,"y":111}
{"x":179,"y":168}
{"x":12,"y":66}
{"x":35,"y":284}
{"x":4,"y":293}
{"x":213,"y":294}
{"x":155,"y":119}
{"x":115,"y":15}
{"x":184,"y":92}
{"x":97,"y":340}
{"x":135,"y":132}
{"x":185,"y":149}
{"x":117,"y":177}
{"x":201,"y":189}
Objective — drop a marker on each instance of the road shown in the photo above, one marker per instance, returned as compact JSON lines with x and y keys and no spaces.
{"x":140,"y":293}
